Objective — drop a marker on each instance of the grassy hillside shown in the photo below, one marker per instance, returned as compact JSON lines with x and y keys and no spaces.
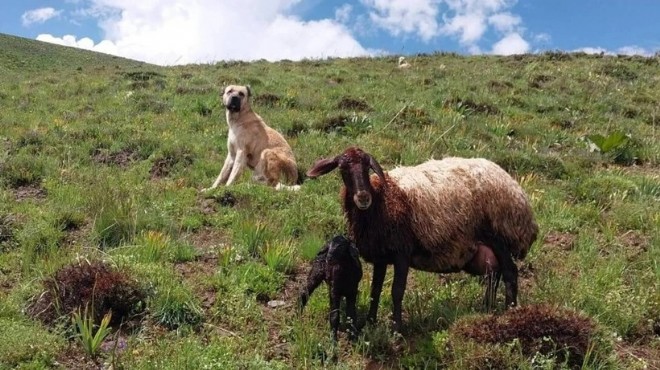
{"x":102,"y":160}
{"x":25,"y":55}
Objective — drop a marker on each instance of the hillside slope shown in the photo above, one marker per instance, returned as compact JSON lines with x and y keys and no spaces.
{"x":18,"y":53}
{"x":102,"y":160}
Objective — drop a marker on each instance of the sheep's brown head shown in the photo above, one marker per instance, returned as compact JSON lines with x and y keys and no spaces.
{"x":354,"y":165}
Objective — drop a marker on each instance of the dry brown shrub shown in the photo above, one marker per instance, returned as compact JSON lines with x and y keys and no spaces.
{"x":549,"y":330}
{"x":92,"y":284}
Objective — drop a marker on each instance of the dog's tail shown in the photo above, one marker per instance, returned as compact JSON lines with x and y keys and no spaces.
{"x":291,"y":171}
{"x":292,"y":174}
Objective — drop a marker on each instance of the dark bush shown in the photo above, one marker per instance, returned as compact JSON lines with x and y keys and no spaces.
{"x":92,"y":284}
{"x":559,"y":332}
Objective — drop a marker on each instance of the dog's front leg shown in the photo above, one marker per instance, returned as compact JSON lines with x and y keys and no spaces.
{"x":239,"y":165}
{"x":224,"y":173}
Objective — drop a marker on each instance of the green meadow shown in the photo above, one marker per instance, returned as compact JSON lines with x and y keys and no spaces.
{"x":102,"y":160}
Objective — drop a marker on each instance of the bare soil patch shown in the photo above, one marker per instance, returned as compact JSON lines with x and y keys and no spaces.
{"x":333,"y":123}
{"x":354,"y":104}
{"x":481,"y":108}
{"x":563,"y":241}
{"x":122,"y":158}
{"x":163,"y":166}
{"x":28,"y":192}
{"x":266,"y":100}
{"x":276,"y":317}
{"x":631,"y":353}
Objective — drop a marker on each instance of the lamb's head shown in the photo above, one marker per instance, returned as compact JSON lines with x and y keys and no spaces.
{"x":340,"y":250}
{"x":354,"y":165}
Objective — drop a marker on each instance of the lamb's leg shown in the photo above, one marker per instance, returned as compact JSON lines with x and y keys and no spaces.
{"x":351,"y":315}
{"x":376,"y":288}
{"x":315,"y":278}
{"x":401,"y":267}
{"x":509,"y":272}
{"x":335,"y":302}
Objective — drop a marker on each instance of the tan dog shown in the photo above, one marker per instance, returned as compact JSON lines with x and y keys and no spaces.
{"x":254,"y":144}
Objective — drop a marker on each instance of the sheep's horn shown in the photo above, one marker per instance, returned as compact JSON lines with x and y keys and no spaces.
{"x":376,"y":167}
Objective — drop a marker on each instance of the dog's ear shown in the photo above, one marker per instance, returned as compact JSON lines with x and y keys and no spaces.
{"x":249,"y":90}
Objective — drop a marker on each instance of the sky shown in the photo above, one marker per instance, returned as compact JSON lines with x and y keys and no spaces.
{"x":170,"y":32}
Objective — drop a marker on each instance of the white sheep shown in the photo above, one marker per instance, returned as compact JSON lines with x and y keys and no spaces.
{"x":440,"y":216}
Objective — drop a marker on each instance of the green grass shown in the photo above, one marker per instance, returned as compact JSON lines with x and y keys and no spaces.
{"x":103,"y":157}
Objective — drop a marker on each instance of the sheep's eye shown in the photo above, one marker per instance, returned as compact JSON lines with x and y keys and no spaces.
{"x":241,"y":93}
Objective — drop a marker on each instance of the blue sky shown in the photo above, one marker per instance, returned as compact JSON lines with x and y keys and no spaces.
{"x":202,"y":31}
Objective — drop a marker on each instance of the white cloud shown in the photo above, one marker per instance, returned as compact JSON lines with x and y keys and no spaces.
{"x":625,"y":50}
{"x":200,"y":31}
{"x":469,"y":27}
{"x":634,"y":50}
{"x":40,"y":15}
{"x":504,"y":22}
{"x":510,"y":44}
{"x":469,"y":20}
{"x":591,"y":50}
{"x":401,"y":17}
{"x":542,"y":38}
{"x":83,"y":43}
{"x":466,"y":20}
{"x":343,"y":13}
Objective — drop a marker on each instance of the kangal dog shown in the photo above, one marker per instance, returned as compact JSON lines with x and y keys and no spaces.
{"x":254,"y":144}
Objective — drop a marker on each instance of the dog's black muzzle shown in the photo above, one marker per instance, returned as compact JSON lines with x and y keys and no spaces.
{"x":234,"y":104}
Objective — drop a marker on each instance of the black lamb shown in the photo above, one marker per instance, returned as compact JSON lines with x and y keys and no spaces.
{"x":338,"y":264}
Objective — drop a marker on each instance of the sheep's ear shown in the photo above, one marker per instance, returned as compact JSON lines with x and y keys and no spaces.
{"x":376,"y":167}
{"x":322,"y":166}
{"x":249,"y":90}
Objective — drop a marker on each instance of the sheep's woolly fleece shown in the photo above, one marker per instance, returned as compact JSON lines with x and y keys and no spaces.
{"x":450,"y":196}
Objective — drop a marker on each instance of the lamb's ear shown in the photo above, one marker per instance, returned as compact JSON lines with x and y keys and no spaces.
{"x":249,"y":90}
{"x":324,"y":250}
{"x":376,"y":167}
{"x":322,"y":166}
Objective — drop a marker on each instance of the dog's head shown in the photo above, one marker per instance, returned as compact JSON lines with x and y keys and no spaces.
{"x":236,"y":97}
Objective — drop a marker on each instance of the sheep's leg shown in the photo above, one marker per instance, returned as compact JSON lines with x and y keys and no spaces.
{"x":509,"y":272}
{"x":376,"y":288}
{"x":401,"y":267}
{"x":492,"y":282}
{"x":335,"y":302}
{"x":351,"y":315}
